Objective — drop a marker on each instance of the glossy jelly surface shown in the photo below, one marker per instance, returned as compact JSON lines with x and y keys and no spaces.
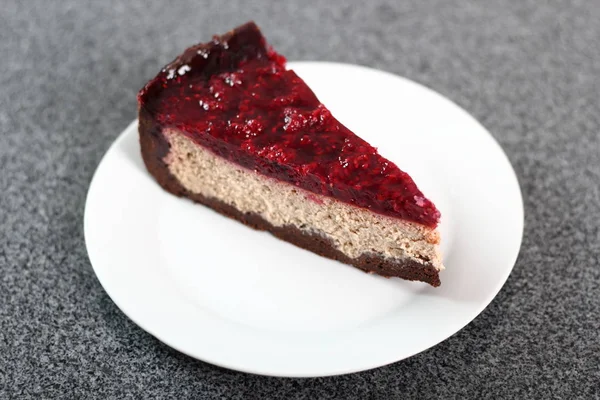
{"x":235,"y":96}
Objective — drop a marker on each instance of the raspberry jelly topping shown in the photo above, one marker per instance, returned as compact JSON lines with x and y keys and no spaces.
{"x":235,"y":97}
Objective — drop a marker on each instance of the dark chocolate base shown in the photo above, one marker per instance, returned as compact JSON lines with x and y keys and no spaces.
{"x":155,"y":148}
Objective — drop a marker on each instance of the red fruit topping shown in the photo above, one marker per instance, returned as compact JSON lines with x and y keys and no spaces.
{"x":235,"y":96}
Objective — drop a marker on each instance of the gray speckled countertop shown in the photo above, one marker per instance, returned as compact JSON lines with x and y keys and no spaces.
{"x":528,"y":70}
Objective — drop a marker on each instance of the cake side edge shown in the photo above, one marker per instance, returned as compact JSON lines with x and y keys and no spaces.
{"x":155,"y":147}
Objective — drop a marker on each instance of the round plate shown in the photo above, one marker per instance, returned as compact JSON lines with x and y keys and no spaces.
{"x":218,"y":291}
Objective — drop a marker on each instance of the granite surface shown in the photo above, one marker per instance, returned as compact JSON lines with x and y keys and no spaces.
{"x":528,"y":70}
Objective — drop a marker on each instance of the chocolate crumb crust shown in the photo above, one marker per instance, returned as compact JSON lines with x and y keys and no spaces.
{"x":154,"y":149}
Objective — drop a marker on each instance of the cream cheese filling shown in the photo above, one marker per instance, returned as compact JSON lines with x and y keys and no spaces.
{"x":352,"y":230}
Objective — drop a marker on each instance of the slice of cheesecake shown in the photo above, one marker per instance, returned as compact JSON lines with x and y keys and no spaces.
{"x":228,"y":126}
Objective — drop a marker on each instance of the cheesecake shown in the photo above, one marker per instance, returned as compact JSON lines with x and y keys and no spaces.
{"x":227,"y":125}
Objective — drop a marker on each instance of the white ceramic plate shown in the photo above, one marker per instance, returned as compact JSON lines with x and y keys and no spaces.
{"x":223,"y":293}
